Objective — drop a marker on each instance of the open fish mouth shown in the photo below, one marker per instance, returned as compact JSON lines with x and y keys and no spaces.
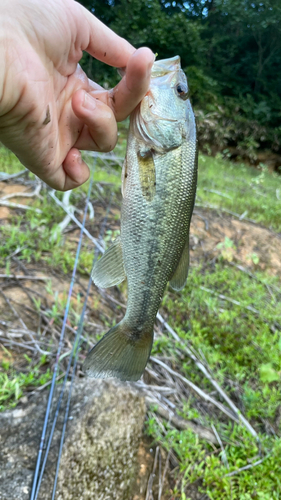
{"x":164,"y":66}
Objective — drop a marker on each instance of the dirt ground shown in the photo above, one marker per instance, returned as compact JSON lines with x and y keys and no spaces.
{"x":17,"y":311}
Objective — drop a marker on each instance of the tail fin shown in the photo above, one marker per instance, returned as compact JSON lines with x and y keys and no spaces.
{"x":119,"y":354}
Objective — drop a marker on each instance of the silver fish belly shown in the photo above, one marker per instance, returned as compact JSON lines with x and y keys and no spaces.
{"x":158,"y":185}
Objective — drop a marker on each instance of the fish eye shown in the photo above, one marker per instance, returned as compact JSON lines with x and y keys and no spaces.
{"x":182,"y":91}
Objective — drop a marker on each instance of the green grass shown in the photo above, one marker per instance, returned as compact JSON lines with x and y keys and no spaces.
{"x":239,"y":344}
{"x":199,"y":464}
{"x":243,"y":189}
{"x":236,"y":342}
{"x":9,"y":163}
{"x":13,"y":384}
{"x":37,"y":235}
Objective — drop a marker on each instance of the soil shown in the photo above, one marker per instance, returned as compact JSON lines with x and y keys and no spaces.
{"x":208,"y":229}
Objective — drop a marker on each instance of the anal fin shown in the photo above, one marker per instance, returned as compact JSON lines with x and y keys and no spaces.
{"x":179,"y":277}
{"x":109,"y":270}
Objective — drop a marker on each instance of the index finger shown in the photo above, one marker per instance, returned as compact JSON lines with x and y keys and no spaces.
{"x":104,"y":44}
{"x":132,"y":88}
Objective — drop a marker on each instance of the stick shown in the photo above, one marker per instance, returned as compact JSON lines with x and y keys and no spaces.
{"x":181,"y":423}
{"x":210,"y":378}
{"x":223,"y":455}
{"x":233,"y":301}
{"x":14,"y":276}
{"x":6,"y":177}
{"x":86,"y":232}
{"x":24,"y":194}
{"x":151,"y":477}
{"x":237,"y":471}
{"x":219,"y":193}
{"x":9,"y":204}
{"x":214,"y":207}
{"x":196,"y":389}
{"x":164,"y":474}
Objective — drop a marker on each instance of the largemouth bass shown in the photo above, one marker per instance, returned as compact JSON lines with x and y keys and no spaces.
{"x":158,"y":185}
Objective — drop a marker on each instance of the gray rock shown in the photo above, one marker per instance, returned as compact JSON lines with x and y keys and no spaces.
{"x":99,"y":460}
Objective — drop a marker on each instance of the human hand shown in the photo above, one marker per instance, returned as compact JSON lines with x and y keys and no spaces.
{"x":49,"y":109}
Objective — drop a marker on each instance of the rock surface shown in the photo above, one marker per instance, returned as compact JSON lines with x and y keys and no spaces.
{"x":99,"y":460}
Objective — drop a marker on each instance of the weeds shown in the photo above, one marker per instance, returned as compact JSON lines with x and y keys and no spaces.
{"x":251,"y":193}
{"x":229,"y":314}
{"x":13,"y":384}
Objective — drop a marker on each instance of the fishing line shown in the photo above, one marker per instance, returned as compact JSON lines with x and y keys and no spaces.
{"x":76,"y":346}
{"x":77,"y":343}
{"x":47,"y":414}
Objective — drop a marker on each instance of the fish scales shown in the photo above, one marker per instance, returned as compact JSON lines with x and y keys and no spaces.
{"x":159,"y":185}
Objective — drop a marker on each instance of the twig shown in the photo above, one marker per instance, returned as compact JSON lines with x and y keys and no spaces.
{"x":219,"y":209}
{"x":223,"y":455}
{"x":210,"y":378}
{"x":86,"y":232}
{"x":24,"y":194}
{"x":164,"y":474}
{"x":228,"y":299}
{"x":42,"y":387}
{"x":25,"y":346}
{"x":219,"y":193}
{"x":152,"y":476}
{"x":246,"y":271}
{"x":181,"y":423}
{"x":13,"y":310}
{"x":203,"y":218}
{"x":196,"y":389}
{"x":246,"y":467}
{"x":6,"y":177}
{"x":9,"y":204}
{"x":21,"y":277}
{"x":31,"y":336}
{"x":107,"y":156}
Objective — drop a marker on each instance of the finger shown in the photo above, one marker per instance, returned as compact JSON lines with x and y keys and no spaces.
{"x":134,"y":85}
{"x":132,"y":88}
{"x":100,"y":128}
{"x":74,"y":171}
{"x":70,"y":174}
{"x":104,"y":44}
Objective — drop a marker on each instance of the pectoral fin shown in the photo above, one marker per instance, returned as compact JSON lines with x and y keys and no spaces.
{"x":179,"y":277}
{"x":147,"y":175}
{"x":109,"y":270}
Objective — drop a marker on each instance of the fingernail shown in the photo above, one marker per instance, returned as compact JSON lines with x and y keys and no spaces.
{"x":150,"y":64}
{"x":89,"y":102}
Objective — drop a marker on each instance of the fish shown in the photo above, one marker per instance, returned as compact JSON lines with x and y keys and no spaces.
{"x":159,"y":179}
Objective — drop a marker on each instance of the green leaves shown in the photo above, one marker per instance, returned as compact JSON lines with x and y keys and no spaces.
{"x":12,"y":384}
{"x":231,"y":52}
{"x":268,"y":374}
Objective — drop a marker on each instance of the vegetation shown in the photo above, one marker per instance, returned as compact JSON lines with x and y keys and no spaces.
{"x":251,"y":193}
{"x":231,"y":52}
{"x":228,"y":312}
{"x":13,"y":384}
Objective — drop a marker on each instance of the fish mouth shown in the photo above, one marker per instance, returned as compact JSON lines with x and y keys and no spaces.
{"x":157,"y":126}
{"x":165,"y":66}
